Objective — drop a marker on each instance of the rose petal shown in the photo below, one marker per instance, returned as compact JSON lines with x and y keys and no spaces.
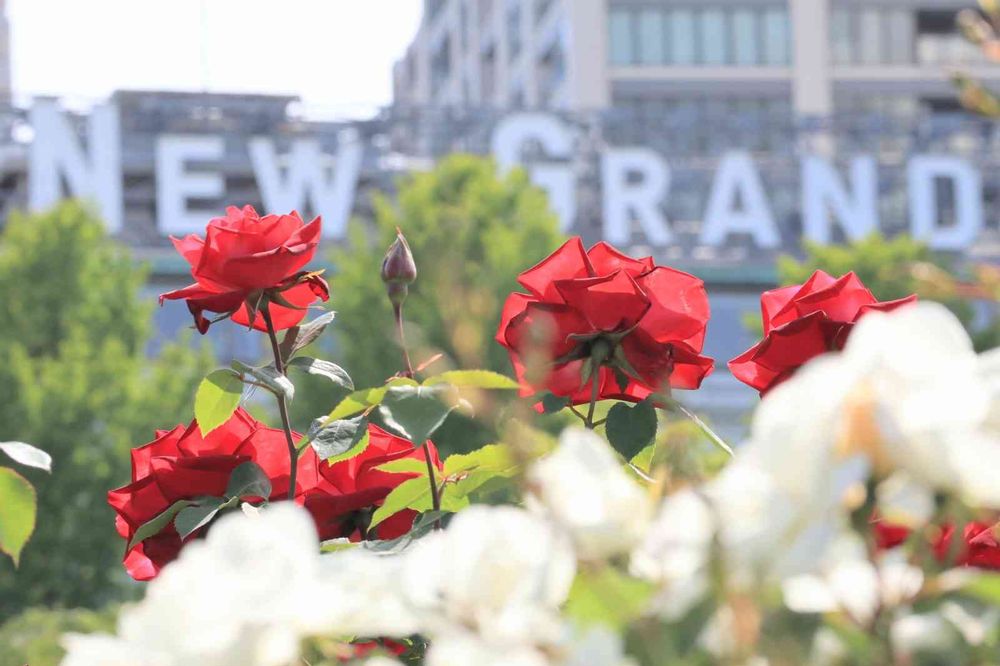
{"x":569,"y":261}
{"x":610,"y":303}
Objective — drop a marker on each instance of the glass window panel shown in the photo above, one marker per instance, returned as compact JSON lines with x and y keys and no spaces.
{"x":651,"y":37}
{"x":841,"y":37}
{"x":745,"y":36}
{"x":621,"y":37}
{"x":777,"y":38}
{"x":682,"y":44}
{"x":714,"y":40}
{"x":901,"y":34}
{"x":871,"y":37}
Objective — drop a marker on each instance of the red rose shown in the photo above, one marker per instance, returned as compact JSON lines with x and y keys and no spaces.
{"x":244,"y":255}
{"x":349,"y":491}
{"x":803,"y":322}
{"x":181,"y":464}
{"x":980,"y":549}
{"x":645,"y":323}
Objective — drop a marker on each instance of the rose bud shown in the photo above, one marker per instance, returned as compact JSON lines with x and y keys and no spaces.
{"x":398,"y":269}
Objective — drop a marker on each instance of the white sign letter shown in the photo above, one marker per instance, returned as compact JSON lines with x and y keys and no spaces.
{"x":311,"y":180}
{"x":56,"y":153}
{"x":922,"y":175}
{"x":175,"y":184}
{"x":823,"y":193}
{"x":509,"y":139}
{"x":625,"y":199}
{"x":737,"y":177}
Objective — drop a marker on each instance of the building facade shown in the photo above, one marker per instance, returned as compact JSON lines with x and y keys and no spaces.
{"x":777,"y":57}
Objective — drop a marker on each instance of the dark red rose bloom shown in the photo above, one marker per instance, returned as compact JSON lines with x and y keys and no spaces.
{"x":348,"y":492}
{"x":805,"y":321}
{"x":244,"y":255}
{"x":182,"y":464}
{"x":980,"y":549}
{"x":645,"y":322}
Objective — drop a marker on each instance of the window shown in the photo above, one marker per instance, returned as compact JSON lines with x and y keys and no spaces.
{"x":700,"y":35}
{"x":621,"y":37}
{"x":514,"y":29}
{"x":871,"y":39}
{"x":682,"y":45}
{"x":900,"y":36}
{"x":651,"y":37}
{"x":714,"y":40}
{"x":745,"y":37}
{"x":841,"y":37}
{"x":777,"y":37}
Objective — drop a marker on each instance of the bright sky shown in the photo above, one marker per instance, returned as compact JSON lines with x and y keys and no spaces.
{"x":336,"y":54}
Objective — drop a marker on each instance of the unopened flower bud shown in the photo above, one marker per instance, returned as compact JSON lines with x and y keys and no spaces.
{"x":398,"y":266}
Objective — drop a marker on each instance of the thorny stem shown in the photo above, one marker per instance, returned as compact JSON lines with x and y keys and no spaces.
{"x":435,"y":492}
{"x":398,"y":311}
{"x":595,"y":387}
{"x":435,"y":495}
{"x":279,"y":365}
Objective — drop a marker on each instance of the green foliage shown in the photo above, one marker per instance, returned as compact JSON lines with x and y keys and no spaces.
{"x":631,"y":428}
{"x":34,"y":636}
{"x":75,"y":381}
{"x":471,"y":232}
{"x":17,"y":512}
{"x":216,"y":399}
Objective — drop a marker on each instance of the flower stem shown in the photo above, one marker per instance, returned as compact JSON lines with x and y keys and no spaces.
{"x":279,"y":365}
{"x":398,"y":312}
{"x":595,"y":388}
{"x":435,"y":494}
{"x":397,"y":309}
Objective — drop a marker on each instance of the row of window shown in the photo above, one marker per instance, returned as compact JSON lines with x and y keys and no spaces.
{"x":874,"y":36}
{"x":700,"y":36}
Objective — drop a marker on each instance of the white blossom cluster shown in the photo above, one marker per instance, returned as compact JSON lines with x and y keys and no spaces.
{"x":908,"y":404}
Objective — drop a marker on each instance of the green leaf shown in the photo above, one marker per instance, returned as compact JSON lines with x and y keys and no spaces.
{"x":410,"y":494}
{"x":217,"y":398}
{"x":608,"y":597}
{"x":156,"y":525}
{"x":17,"y":513}
{"x":470,"y":482}
{"x":405,"y":466}
{"x":492,"y":458}
{"x":339,"y":437}
{"x":248,"y":480}
{"x":985,"y":586}
{"x":483,"y":379}
{"x":300,"y":337}
{"x":27,"y":455}
{"x":362,"y":399}
{"x":192,"y":518}
{"x":274,"y":381}
{"x":630,"y":429}
{"x":331,"y":371}
{"x":715,"y":439}
{"x":416,"y":412}
{"x":422,"y":526}
{"x":552,"y":403}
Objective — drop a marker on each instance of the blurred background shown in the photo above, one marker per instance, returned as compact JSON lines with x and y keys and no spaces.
{"x":748,"y":142}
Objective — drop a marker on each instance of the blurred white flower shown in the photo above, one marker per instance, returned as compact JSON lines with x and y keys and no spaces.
{"x":851,"y":584}
{"x":583,"y":488}
{"x":903,"y":501}
{"x":597,"y":647}
{"x":498,"y":571}
{"x":932,"y":400}
{"x":368,"y":597}
{"x":242,"y":597}
{"x":382,"y":661}
{"x":924,"y":633}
